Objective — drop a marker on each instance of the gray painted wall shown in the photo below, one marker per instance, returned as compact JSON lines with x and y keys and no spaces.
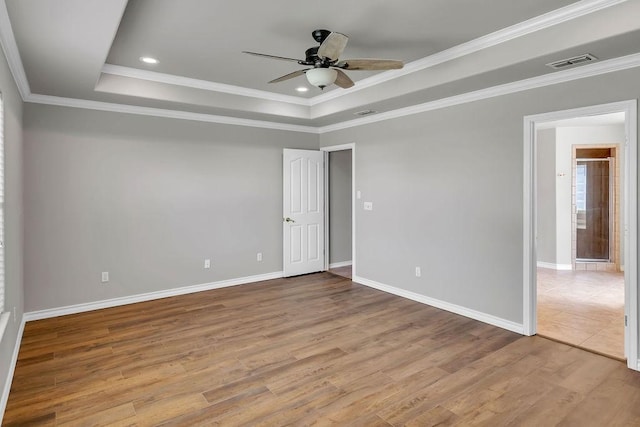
{"x":446,"y":187}
{"x":546,"y":195}
{"x":340,"y":206}
{"x":13,"y":215}
{"x":148,"y":200}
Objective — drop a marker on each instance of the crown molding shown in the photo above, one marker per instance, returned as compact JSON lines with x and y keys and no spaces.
{"x":573,"y":11}
{"x":580,"y":8}
{"x":153,"y":76}
{"x":10,"y":48}
{"x":591,"y":70}
{"x":555,"y":17}
{"x":170,"y":114}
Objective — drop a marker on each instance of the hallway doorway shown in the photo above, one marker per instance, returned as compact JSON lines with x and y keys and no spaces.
{"x":340,"y":214}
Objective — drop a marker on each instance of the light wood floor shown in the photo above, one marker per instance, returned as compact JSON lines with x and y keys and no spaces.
{"x":312,"y":350}
{"x":583,"y":308}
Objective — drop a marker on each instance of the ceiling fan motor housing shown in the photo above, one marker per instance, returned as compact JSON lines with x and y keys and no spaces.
{"x":311,"y":56}
{"x":320,"y":35}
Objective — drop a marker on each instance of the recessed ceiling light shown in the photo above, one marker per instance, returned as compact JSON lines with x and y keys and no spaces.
{"x":148,"y":60}
{"x":302,"y":89}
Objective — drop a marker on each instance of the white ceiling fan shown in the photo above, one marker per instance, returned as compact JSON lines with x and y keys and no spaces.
{"x":325,"y":64}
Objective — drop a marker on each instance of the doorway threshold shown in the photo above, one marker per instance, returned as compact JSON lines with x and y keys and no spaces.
{"x":595,"y":265}
{"x":590,"y":350}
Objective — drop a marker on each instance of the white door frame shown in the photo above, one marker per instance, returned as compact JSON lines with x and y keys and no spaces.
{"x":630,"y":227}
{"x":327,"y":150}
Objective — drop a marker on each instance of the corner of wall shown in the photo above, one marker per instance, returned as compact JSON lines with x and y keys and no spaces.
{"x":4,"y":398}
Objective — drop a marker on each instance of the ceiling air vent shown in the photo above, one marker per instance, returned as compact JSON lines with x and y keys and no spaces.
{"x":576,"y":60}
{"x":364,"y":112}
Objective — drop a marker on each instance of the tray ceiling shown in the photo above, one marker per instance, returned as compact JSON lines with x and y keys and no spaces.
{"x":87,"y":51}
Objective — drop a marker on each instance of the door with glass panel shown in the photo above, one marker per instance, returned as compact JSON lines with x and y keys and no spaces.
{"x":594,"y":202}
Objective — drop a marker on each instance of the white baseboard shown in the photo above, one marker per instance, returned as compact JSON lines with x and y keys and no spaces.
{"x":563,"y":267}
{"x":340,"y":264}
{"x":114,"y":302}
{"x":453,"y":308}
{"x":4,"y":321}
{"x":12,"y":367}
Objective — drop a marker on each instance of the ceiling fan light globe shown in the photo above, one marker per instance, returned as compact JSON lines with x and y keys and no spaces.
{"x":321,"y":77}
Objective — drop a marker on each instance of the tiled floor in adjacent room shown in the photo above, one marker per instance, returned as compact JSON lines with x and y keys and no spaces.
{"x":583,"y":308}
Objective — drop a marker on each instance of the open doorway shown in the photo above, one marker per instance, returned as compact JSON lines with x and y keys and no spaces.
{"x":580,"y":197}
{"x":339,"y":227}
{"x":580,"y":284}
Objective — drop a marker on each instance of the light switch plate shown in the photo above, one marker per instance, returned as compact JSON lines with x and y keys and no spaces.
{"x":368,"y":206}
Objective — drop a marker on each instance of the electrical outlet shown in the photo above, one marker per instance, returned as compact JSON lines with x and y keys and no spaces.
{"x":259,"y":256}
{"x":105,"y":276}
{"x":418,"y":272}
{"x":368,"y":206}
{"x":207,"y":263}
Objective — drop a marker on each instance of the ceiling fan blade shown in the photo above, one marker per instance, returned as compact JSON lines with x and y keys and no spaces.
{"x":370,"y":64}
{"x":333,"y":46}
{"x":281,"y":58}
{"x":289,"y":76}
{"x":343,"y":80}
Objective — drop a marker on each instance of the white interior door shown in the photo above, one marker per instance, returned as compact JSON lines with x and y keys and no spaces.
{"x":303,"y":212}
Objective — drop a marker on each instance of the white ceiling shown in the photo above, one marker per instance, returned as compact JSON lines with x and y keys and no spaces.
{"x":86,"y":52}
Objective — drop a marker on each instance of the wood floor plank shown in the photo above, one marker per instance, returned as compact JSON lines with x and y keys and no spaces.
{"x":437,"y":416}
{"x":518,"y":397}
{"x":551,"y":409}
{"x":26,"y":420}
{"x":298,"y":403}
{"x":159,"y":411}
{"x":311,"y":350}
{"x":106,"y":417}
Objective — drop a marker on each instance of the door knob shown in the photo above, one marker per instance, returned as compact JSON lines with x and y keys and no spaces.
{"x":287,"y":219}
